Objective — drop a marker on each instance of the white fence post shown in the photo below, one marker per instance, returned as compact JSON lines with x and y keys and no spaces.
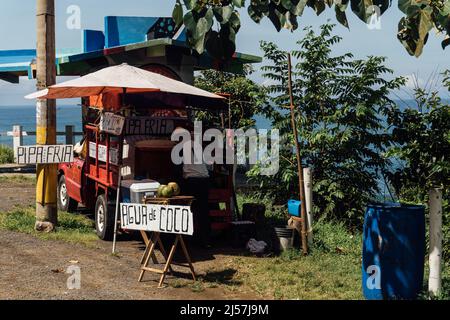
{"x":435,"y":251}
{"x":17,"y":138}
{"x":70,"y":138}
{"x":307,"y":174}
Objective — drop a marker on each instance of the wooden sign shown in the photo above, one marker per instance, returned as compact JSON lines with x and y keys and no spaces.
{"x":113,"y":153}
{"x":44,"y":154}
{"x":149,"y":126}
{"x":157,"y":218}
{"x":112,"y":123}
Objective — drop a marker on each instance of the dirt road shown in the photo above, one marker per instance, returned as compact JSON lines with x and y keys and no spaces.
{"x":31,"y":268}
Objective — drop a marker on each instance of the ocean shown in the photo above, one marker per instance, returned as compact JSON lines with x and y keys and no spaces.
{"x":66,"y":115}
{"x":26,"y":117}
{"x":71,"y":115}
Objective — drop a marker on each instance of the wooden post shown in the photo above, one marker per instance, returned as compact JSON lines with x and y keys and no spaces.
{"x":17,"y":138}
{"x":299,"y":161}
{"x":46,"y":175}
{"x":70,"y":137}
{"x":435,"y":251}
{"x":309,"y":204}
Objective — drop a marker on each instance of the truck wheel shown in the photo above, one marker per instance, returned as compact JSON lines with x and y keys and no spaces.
{"x":65,"y":203}
{"x":104,"y":218}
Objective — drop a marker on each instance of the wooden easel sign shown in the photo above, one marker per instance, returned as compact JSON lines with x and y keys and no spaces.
{"x":159,"y":219}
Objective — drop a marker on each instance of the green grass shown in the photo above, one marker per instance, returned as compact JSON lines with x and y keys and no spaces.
{"x":71,"y":228}
{"x":6,"y":154}
{"x":17,"y":178}
{"x":332,"y":270}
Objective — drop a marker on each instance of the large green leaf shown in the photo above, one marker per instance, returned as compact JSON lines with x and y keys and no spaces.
{"x":239,"y":3}
{"x":223,"y":14}
{"x":221,"y":45}
{"x":425,"y":22}
{"x":190,"y":4}
{"x":299,"y":7}
{"x":340,"y":14}
{"x":414,"y":31}
{"x":364,"y":9}
{"x":235,"y":21}
{"x":189,"y":21}
{"x":410,"y":7}
{"x":178,"y":14}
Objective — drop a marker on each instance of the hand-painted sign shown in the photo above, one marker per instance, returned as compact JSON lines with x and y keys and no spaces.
{"x":113,"y":153}
{"x":158,"y":218}
{"x":44,"y":154}
{"x":149,"y":126}
{"x":111,"y":123}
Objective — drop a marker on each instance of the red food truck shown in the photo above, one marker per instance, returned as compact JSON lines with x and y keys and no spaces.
{"x":141,"y":153}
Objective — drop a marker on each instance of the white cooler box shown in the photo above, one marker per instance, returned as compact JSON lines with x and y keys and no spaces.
{"x":133,"y":191}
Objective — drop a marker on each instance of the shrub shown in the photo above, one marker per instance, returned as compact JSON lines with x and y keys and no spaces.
{"x":6,"y":154}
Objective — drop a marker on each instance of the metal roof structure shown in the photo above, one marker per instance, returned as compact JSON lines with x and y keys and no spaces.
{"x":138,"y":41}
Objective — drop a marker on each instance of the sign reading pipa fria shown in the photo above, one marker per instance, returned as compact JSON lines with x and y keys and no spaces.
{"x":157,"y":218}
{"x":44,"y":154}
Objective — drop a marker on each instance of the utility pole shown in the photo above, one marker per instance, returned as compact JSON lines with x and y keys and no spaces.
{"x":46,"y":175}
{"x":301,"y":182}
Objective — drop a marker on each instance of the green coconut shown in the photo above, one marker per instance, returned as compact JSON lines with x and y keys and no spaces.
{"x":175,"y":187}
{"x":167,"y":192}
{"x":160,"y":189}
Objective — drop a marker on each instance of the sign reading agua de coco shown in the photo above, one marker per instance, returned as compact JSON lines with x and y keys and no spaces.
{"x":112,"y":123}
{"x":157,"y":218}
{"x":44,"y":154}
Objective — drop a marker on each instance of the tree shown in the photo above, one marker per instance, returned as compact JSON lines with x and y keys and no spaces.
{"x":246,"y":98}
{"x":340,"y":102}
{"x":421,"y":16}
{"x":421,"y":150}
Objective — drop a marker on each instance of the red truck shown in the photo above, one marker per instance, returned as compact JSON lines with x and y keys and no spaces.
{"x":144,"y":149}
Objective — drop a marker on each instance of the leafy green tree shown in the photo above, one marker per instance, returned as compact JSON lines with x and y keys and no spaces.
{"x":421,"y":16}
{"x":245,"y":98}
{"x":340,"y":102}
{"x":421,"y":150}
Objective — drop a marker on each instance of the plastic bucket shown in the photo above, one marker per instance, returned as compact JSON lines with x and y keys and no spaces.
{"x":393,"y":251}
{"x":294,"y":207}
{"x":285,"y":237}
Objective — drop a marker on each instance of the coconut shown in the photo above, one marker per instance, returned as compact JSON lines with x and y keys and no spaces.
{"x":175,"y":187}
{"x":167,"y":192}
{"x":160,"y":189}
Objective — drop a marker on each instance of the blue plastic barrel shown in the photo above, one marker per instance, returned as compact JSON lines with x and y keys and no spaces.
{"x":393,"y":251}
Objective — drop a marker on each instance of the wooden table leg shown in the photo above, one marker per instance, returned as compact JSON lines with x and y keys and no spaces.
{"x":169,"y":261}
{"x":148,"y":241}
{"x":144,"y":237}
{"x":164,"y":252}
{"x":147,"y":258}
{"x":188,"y":257}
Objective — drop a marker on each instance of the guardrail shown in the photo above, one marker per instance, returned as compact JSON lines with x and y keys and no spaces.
{"x":18,"y":133}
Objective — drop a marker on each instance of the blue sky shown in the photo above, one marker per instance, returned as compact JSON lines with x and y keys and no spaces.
{"x":17,"y":21}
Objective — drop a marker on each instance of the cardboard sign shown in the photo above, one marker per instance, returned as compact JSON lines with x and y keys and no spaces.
{"x":112,"y":123}
{"x":113,"y":153}
{"x":44,"y":154}
{"x":149,"y":126}
{"x":158,"y":218}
